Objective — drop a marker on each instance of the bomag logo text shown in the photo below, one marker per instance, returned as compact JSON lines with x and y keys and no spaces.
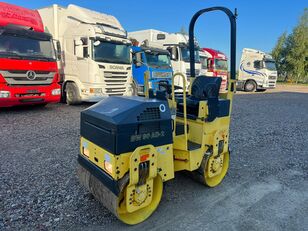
{"x":116,"y":67}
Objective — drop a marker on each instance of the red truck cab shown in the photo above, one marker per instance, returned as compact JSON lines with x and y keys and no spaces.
{"x":28,"y":65}
{"x":217,"y":65}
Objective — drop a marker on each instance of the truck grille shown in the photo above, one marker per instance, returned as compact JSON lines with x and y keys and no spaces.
{"x":197,"y":72}
{"x":272,"y":77}
{"x":20,"y":77}
{"x":115,"y":82}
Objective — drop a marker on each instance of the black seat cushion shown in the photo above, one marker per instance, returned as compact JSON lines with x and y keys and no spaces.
{"x":203,"y":88}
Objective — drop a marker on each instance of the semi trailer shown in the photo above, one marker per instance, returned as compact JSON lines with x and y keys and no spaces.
{"x":177,"y":45}
{"x":96,"y":58}
{"x":257,"y":71}
{"x":154,"y":62}
{"x":28,"y":67}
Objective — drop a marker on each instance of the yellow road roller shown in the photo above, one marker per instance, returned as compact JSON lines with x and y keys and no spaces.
{"x":131,"y":145}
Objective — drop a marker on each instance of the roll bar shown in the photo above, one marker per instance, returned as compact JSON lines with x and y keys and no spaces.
{"x":232,"y":18}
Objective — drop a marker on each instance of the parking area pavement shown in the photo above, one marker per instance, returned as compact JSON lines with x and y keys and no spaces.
{"x":266,"y":187}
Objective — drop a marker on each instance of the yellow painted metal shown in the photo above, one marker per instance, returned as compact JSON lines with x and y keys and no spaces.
{"x":121,"y":163}
{"x":146,"y":87}
{"x":216,"y":169}
{"x":143,"y":213}
{"x":140,"y":196}
{"x":182,"y":140}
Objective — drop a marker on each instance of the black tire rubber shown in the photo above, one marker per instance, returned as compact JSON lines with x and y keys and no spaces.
{"x":72,"y":94}
{"x":250,"y":86}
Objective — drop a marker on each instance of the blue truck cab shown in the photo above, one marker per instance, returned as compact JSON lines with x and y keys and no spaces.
{"x":157,"y":62}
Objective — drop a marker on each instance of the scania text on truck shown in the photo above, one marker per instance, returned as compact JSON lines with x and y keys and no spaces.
{"x":155,"y":61}
{"x":177,"y":45}
{"x":96,"y":57}
{"x":257,"y":71}
{"x":217,"y":65}
{"x":28,"y":67}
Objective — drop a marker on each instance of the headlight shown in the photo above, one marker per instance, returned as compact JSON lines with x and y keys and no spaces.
{"x":85,"y":149}
{"x":56,"y":91}
{"x":107,"y":164}
{"x":5,"y":94}
{"x":96,"y":90}
{"x":108,"y":167}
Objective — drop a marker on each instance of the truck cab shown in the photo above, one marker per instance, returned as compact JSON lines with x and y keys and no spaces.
{"x":257,"y":71}
{"x":28,"y":67}
{"x":177,"y":45}
{"x":154,"y":60}
{"x":96,"y":56}
{"x":216,"y":65}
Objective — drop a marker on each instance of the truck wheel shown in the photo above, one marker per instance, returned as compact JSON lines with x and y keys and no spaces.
{"x":72,"y":94}
{"x":250,"y":86}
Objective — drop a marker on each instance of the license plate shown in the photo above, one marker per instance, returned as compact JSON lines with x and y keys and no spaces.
{"x":32,"y":91}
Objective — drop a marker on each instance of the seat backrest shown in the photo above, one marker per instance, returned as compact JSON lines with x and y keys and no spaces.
{"x":205,"y":87}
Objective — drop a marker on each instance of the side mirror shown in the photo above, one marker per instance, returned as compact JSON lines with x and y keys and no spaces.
{"x":173,"y":57}
{"x":138,"y":59}
{"x":174,"y":53}
{"x":81,"y":47}
{"x":78,"y":42}
{"x":58,"y":50}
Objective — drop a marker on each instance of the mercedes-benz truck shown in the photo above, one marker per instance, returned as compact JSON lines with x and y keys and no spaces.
{"x":28,"y":67}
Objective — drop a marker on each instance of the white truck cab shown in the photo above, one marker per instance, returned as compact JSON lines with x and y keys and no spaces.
{"x":177,"y":45}
{"x":257,"y":71}
{"x":96,"y":57}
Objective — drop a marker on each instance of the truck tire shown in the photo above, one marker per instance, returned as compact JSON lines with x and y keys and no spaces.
{"x":250,"y":86}
{"x":72,"y":94}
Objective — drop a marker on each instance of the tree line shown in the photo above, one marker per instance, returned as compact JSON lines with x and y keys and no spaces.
{"x":291,"y":53}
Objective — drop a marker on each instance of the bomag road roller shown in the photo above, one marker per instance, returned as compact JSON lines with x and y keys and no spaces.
{"x":131,"y":145}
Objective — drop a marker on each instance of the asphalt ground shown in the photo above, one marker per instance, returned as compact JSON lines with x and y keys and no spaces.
{"x":266,"y":187}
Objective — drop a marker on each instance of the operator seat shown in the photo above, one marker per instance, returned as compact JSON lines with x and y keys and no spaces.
{"x":203,"y":88}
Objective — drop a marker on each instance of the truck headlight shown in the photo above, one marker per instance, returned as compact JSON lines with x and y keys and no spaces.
{"x":96,"y":90}
{"x":56,"y":91}
{"x":5,"y":94}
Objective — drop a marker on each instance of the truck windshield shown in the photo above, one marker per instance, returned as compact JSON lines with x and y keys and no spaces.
{"x":186,"y":55}
{"x":270,"y":65}
{"x":16,"y":47}
{"x":110,"y":52}
{"x":157,"y":60}
{"x":221,"y":64}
